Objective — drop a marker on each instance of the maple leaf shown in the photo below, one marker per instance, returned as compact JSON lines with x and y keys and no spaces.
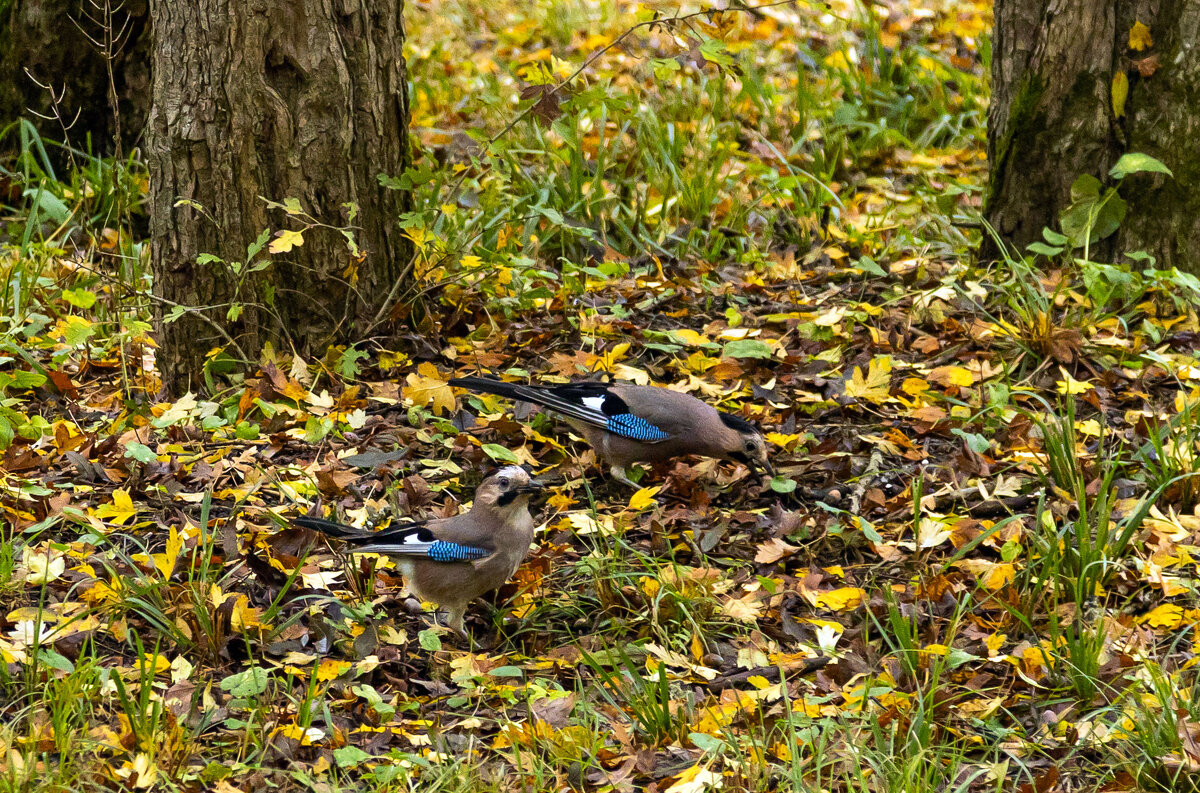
{"x":120,"y":511}
{"x":426,"y":387}
{"x":643,"y":498}
{"x":875,"y":386}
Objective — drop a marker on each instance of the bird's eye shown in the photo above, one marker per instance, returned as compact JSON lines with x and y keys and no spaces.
{"x":750,"y":446}
{"x":503,"y":481}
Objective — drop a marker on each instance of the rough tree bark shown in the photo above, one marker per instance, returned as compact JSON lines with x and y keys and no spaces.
{"x":273,"y":99}
{"x":56,"y":41}
{"x":1052,"y":119}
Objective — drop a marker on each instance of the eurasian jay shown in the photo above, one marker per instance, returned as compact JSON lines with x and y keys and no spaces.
{"x":454,"y":560}
{"x":633,"y":423}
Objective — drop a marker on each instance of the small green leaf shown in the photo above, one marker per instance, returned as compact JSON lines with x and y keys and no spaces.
{"x":316,"y":428}
{"x":975,"y":442}
{"x":747,"y":348}
{"x":80,"y":298}
{"x":140,"y":452}
{"x":868,"y":265}
{"x":48,"y":204}
{"x":714,"y":50}
{"x":507,"y":671}
{"x":664,"y":68}
{"x":253,"y":248}
{"x":350,"y":756}
{"x":705,"y":742}
{"x":246,"y":431}
{"x":429,"y":640}
{"x":499,"y":453}
{"x":250,"y":683}
{"x":1136,"y":162}
{"x":868,"y":530}
{"x":781,"y":485}
{"x":1053,"y":237}
{"x":1049,"y":251}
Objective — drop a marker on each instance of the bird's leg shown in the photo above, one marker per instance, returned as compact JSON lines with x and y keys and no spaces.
{"x":454,"y":620}
{"x":618,"y":473}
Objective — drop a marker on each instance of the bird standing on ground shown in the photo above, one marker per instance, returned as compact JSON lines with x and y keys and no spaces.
{"x":628,"y":424}
{"x":454,"y":560}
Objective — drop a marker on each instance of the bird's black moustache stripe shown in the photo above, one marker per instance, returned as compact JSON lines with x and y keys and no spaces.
{"x":508,"y":497}
{"x":739,"y":457}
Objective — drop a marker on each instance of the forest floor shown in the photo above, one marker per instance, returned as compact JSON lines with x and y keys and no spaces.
{"x":975,"y":569}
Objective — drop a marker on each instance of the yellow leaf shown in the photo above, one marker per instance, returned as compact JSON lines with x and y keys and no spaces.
{"x":696,"y":780}
{"x":1120,"y":92}
{"x":994,"y":643}
{"x":781,"y":439}
{"x":1069,"y":385}
{"x":952,"y":376}
{"x":286,"y":240}
{"x":875,"y":385}
{"x":329,"y":668}
{"x":42,"y":567}
{"x":120,"y":511}
{"x":699,"y":362}
{"x":1168,"y":615}
{"x":1139,"y":37}
{"x":1000,"y":576}
{"x":165,"y":562}
{"x":643,"y":498}
{"x":690,"y":337}
{"x":426,"y":386}
{"x":841,"y":599}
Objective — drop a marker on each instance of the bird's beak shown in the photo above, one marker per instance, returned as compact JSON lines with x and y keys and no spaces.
{"x":531,"y":488}
{"x":757,"y":467}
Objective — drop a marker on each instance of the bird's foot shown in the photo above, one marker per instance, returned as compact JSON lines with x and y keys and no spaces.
{"x":618,"y":473}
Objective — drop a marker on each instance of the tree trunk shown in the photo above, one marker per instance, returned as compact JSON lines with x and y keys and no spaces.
{"x":1052,"y":118}
{"x":273,"y":99}
{"x":60,"y":44}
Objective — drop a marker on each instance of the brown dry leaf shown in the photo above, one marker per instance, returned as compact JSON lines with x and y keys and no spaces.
{"x":1147,"y":66}
{"x":773,"y":550}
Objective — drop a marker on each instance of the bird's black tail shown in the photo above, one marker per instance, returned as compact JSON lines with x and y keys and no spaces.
{"x":561,"y":399}
{"x":498,"y":387}
{"x":328,"y":527}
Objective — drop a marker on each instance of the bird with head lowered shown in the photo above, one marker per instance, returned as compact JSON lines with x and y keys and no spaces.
{"x":629,"y":424}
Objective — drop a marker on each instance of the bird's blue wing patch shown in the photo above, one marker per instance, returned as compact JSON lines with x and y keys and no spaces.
{"x":635,"y":428}
{"x":443,"y":551}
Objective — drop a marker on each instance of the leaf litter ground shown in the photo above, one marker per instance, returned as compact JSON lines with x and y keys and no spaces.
{"x":975,"y":568}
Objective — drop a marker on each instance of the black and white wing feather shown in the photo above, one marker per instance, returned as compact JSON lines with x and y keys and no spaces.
{"x":410,"y":539}
{"x":589,"y":402}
